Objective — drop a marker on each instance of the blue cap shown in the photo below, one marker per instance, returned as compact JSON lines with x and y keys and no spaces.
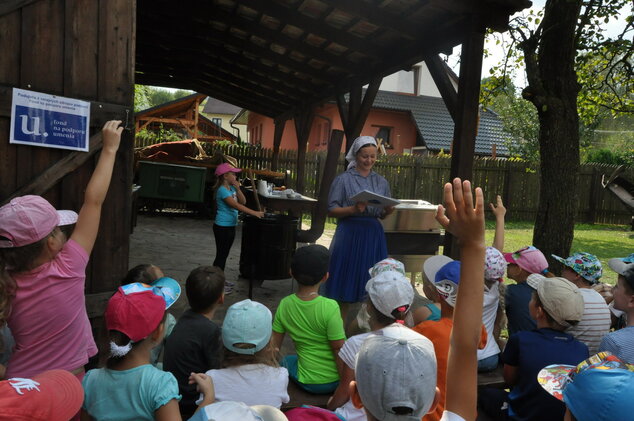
{"x":247,"y":322}
{"x":165,"y":287}
{"x":447,"y":280}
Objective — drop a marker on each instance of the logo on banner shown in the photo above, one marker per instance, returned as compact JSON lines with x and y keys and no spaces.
{"x":39,"y":119}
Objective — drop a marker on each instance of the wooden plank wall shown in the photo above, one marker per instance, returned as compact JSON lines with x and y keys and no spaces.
{"x":418,"y":177}
{"x":80,"y":49}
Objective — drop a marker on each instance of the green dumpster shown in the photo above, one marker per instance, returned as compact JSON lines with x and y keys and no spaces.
{"x":159,"y":180}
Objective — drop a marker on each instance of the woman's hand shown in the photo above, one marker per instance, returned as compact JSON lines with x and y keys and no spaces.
{"x":388,"y":210}
{"x":359,"y":207}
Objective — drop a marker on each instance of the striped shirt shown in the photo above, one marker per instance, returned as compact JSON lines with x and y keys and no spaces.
{"x":596,"y":320}
{"x":620,"y":343}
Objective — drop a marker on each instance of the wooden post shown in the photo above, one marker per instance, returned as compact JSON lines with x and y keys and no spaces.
{"x":277,"y":139}
{"x":303,"y":123}
{"x":355,"y":112}
{"x":441,"y":79}
{"x":466,"y":114}
{"x":196,"y":104}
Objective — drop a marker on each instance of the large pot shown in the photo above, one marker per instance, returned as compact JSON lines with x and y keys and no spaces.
{"x":412,"y":215}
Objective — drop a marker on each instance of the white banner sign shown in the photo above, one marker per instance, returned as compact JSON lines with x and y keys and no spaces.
{"x":50,"y":121}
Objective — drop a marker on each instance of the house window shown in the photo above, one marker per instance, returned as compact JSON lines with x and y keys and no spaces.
{"x":218,"y":123}
{"x":383,"y":136}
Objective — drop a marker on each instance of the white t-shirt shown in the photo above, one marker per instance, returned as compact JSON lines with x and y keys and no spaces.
{"x":253,"y":384}
{"x":596,"y":320}
{"x":348,"y":354}
{"x":489,"y":313}
{"x":450,"y":416}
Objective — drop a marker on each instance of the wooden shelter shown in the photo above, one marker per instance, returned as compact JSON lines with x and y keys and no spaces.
{"x":278,"y":57}
{"x":182,"y":115}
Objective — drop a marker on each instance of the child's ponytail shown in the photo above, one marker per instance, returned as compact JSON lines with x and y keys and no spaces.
{"x":7,"y":291}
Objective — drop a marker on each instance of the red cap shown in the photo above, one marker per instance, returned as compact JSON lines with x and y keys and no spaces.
{"x":135,"y":314}
{"x":225,"y":168}
{"x":54,"y":395}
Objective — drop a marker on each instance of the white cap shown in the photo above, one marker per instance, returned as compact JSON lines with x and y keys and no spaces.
{"x":561,"y":299}
{"x":396,"y":370}
{"x":228,"y":410}
{"x":389,"y":291}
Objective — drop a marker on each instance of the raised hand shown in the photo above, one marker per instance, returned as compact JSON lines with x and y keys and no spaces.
{"x":459,"y":216}
{"x":498,"y":209}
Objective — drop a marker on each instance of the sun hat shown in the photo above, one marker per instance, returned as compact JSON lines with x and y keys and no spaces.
{"x":599,"y":388}
{"x":561,"y":299}
{"x":311,"y":261}
{"x":135,"y":313}
{"x":54,"y":395}
{"x":528,"y":258}
{"x":494,"y":264}
{"x":165,"y":287}
{"x":225,"y":168}
{"x":584,"y":264}
{"x":229,"y":410}
{"x":28,"y":219}
{"x":444,"y":273}
{"x":390,"y":291}
{"x":247,"y":322}
{"x":396,"y":370}
{"x":385,"y":265}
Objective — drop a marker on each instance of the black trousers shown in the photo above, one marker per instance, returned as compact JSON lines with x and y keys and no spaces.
{"x":224,"y":240}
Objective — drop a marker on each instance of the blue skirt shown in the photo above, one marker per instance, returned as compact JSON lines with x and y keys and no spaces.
{"x":359,"y":243}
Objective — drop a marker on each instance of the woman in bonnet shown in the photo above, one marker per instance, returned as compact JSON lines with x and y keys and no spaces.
{"x":359,"y":240}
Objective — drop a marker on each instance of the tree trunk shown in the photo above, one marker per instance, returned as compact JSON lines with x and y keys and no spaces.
{"x":553,"y":89}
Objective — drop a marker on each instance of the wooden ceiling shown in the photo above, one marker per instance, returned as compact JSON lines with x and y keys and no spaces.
{"x":277,"y":56}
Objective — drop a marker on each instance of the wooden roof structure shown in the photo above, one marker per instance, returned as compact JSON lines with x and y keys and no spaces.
{"x":276,"y":56}
{"x":182,"y":115}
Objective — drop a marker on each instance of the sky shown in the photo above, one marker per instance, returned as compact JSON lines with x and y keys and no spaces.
{"x":497,"y":52}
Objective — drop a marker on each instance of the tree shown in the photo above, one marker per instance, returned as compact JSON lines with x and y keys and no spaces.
{"x":149,"y":96}
{"x":556,"y":43}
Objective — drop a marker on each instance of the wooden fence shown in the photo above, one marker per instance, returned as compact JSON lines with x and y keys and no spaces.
{"x":418,"y":177}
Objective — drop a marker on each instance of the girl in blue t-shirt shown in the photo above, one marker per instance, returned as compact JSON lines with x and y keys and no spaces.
{"x":229,"y":200}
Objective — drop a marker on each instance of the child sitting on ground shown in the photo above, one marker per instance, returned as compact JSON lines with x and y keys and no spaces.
{"x":390,"y":295}
{"x":195,"y":344}
{"x":599,"y":388}
{"x":444,"y":273}
{"x":521,"y":264}
{"x":584,"y":270}
{"x":42,"y":275}
{"x":556,"y":305}
{"x":250,"y":372}
{"x":621,"y":342}
{"x":494,"y":268}
{"x":129,"y":387}
{"x":395,"y":373}
{"x":313,"y":322}
{"x":152,"y":275}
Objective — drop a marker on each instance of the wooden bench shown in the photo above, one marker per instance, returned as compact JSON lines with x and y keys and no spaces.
{"x":493,"y":378}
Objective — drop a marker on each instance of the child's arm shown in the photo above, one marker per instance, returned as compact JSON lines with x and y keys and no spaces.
{"x":233,"y":203}
{"x":335,"y":346}
{"x":241,"y":199}
{"x":276,"y":340}
{"x":499,"y":211}
{"x":466,"y":223}
{"x":168,"y":412}
{"x":87,"y":227}
{"x":342,"y":393}
{"x":205,"y":385}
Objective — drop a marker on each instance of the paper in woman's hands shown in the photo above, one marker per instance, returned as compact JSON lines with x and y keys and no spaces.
{"x":374,"y":199}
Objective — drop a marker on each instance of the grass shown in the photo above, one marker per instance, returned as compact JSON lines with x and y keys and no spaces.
{"x":604,"y":241}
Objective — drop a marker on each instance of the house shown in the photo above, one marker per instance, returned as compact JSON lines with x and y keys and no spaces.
{"x":221,"y":113}
{"x":408,"y":114}
{"x":182,"y":116}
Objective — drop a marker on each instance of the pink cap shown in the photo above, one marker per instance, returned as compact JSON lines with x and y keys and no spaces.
{"x":529,"y":258}
{"x":26,"y":220}
{"x":225,"y":168}
{"x":135,"y":314}
{"x":54,"y":395}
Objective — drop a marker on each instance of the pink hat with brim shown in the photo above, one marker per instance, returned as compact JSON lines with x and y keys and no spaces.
{"x":529,"y":258}
{"x":225,"y":168}
{"x":28,"y":219}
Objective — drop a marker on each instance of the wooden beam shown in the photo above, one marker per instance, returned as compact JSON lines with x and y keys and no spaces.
{"x":277,"y":140}
{"x":443,"y":83}
{"x":316,"y":27}
{"x":10,"y":6}
{"x":379,"y":16}
{"x":50,"y":177}
{"x":366,"y":105}
{"x":342,"y":106}
{"x":165,"y":120}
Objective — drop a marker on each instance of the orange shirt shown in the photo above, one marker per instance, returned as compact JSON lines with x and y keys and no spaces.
{"x":440,"y":333}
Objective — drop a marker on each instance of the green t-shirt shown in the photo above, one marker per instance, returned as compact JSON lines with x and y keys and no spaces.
{"x":311,"y":324}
